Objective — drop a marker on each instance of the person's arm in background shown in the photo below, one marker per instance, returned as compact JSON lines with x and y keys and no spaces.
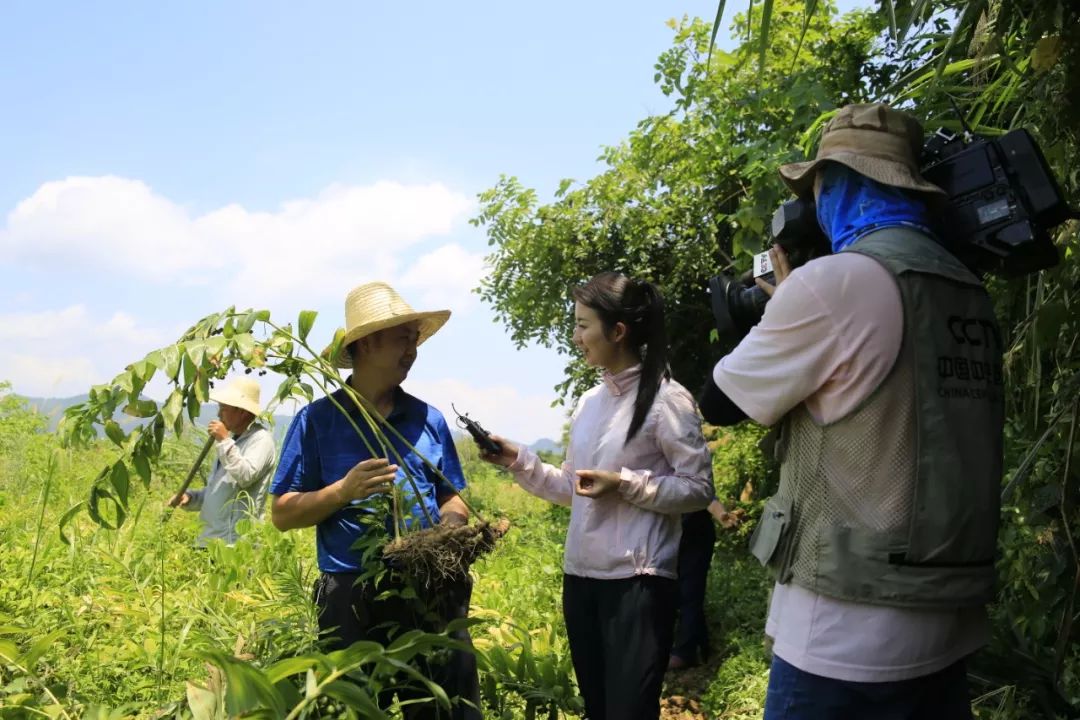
{"x":245,"y":467}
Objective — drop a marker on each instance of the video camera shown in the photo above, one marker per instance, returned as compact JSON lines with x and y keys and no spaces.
{"x":1002,"y":203}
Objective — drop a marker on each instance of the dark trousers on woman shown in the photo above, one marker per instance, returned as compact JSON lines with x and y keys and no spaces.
{"x":349,"y":612}
{"x":695,"y":554}
{"x":620,"y":634}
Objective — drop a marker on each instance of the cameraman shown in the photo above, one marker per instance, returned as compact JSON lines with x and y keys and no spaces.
{"x":882,"y":362}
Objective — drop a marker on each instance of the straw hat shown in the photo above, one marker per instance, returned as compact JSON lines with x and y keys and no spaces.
{"x":376,"y":306}
{"x":242,"y":393}
{"x":873,"y":140}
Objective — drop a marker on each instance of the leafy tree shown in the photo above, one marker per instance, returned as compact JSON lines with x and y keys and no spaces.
{"x":688,"y":194}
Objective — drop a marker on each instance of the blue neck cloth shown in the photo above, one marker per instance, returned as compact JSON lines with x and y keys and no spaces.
{"x":851,"y":206}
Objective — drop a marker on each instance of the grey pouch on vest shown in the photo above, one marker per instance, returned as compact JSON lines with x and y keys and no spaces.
{"x":770,"y":529}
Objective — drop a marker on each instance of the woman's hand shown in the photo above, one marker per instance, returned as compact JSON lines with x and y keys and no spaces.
{"x":781,"y":269}
{"x":596,"y":483}
{"x":506,"y":456}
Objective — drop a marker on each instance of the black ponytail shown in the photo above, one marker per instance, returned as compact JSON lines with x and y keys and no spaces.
{"x":639,"y":305}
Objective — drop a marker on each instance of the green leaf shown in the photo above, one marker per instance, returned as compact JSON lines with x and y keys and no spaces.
{"x":157,"y":359}
{"x":215,"y":344}
{"x":120,"y":479}
{"x":245,"y":323}
{"x":190,"y":370}
{"x":171,"y":361}
{"x":205,"y":704}
{"x":142,"y":467}
{"x":98,"y":495}
{"x":763,"y":40}
{"x":40,"y":647}
{"x":811,"y":9}
{"x":247,"y":689}
{"x":716,"y":27}
{"x":196,"y":351}
{"x":356,"y":697}
{"x":303,"y":325}
{"x":124,"y":381}
{"x":289,"y":666}
{"x":9,"y":651}
{"x":114,"y":432}
{"x":67,"y":517}
{"x":334,"y":349}
{"x":173,"y":407}
{"x":142,"y":408}
{"x":193,"y":405}
{"x":244,"y":344}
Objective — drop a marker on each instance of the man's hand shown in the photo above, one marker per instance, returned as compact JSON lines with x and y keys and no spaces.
{"x":453,"y":519}
{"x":781,"y":269}
{"x":179,"y":500}
{"x":218,"y":430}
{"x":367,"y":478}
{"x":596,"y":483}
{"x":506,"y":456}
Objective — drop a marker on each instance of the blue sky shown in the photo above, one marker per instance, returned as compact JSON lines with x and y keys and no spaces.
{"x":162,"y":161}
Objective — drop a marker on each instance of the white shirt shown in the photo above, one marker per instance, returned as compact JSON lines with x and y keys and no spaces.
{"x":665,"y":472}
{"x":237,"y":486}
{"x":829,"y":337}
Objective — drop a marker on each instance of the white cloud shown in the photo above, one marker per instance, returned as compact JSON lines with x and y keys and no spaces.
{"x":444,"y":278}
{"x":501,"y":409}
{"x":314,"y":247}
{"x":62,"y":352}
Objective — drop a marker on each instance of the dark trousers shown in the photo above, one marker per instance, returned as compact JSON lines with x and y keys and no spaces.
{"x":620,"y":634}
{"x":349,"y":612}
{"x":798,"y":695}
{"x":695,"y":554}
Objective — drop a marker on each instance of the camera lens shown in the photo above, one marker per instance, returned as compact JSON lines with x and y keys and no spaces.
{"x":736,"y":308}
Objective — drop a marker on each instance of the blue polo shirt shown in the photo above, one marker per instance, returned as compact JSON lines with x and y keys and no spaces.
{"x":322,"y":446}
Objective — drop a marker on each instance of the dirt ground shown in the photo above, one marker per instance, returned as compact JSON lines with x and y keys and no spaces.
{"x":683,"y":690}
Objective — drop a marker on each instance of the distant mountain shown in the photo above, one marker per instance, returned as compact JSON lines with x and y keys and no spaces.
{"x":546,"y":445}
{"x":541,"y":445}
{"x":53,"y":409}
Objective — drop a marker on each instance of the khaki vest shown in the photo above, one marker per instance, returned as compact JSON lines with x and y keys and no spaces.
{"x":898,"y":502}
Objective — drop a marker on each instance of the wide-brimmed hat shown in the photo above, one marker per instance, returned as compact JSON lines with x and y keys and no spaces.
{"x":242,"y":393}
{"x":376,"y":306}
{"x":873,"y":140}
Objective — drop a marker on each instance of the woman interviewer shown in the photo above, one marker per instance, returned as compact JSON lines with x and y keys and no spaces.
{"x":636,"y":461}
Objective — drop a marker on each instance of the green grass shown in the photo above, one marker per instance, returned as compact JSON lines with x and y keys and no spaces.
{"x":119,"y":623}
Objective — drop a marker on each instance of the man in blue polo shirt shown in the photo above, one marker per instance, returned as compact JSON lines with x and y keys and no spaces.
{"x":326,"y":470}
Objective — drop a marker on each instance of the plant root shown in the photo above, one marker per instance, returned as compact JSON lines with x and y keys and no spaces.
{"x":442,"y":554}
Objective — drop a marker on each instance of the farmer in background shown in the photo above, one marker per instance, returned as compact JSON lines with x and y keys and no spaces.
{"x":636,"y":461}
{"x":237,"y":486}
{"x":326,"y":469}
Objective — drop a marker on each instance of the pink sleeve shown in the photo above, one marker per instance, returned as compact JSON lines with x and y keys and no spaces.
{"x":554,"y":484}
{"x":787,"y":356}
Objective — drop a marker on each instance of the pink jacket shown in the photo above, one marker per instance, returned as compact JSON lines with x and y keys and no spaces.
{"x":665,"y":469}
